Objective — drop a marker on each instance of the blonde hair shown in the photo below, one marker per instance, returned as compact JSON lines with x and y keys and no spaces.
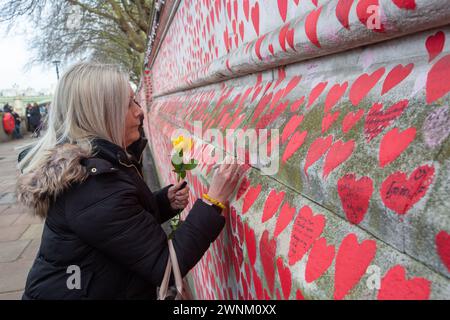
{"x":91,"y":100}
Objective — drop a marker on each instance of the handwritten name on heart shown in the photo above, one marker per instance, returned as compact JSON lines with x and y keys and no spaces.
{"x":355,"y":196}
{"x":307,"y":228}
{"x":394,"y":143}
{"x":400,"y":193}
{"x":319,"y":260}
{"x":352,"y":261}
{"x":377,"y":119}
{"x":395,"y":286}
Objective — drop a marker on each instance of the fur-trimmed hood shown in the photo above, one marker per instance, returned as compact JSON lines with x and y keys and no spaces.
{"x":61,"y":167}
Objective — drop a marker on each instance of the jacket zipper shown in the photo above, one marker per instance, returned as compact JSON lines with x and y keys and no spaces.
{"x":132,"y":165}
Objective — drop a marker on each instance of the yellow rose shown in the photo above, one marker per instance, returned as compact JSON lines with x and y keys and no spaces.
{"x":182,"y":143}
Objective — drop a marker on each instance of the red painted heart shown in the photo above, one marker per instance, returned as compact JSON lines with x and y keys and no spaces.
{"x":394,"y":143}
{"x":294,"y":144}
{"x":400,"y":193}
{"x":291,"y":126}
{"x":342,"y":12}
{"x":355,"y":196}
{"x":267,"y":250}
{"x":250,"y":197}
{"x":405,"y":4}
{"x":352,"y":261}
{"x":363,"y":84}
{"x":317,"y":150}
{"x":319,"y":260}
{"x":250,"y":243}
{"x":443,"y":248}
{"x":282,"y":8}
{"x":438,"y":82}
{"x":255,"y":17}
{"x":291,"y":85}
{"x":307,"y":228}
{"x":351,"y":119}
{"x":377,"y":120}
{"x":316,"y":92}
{"x":435,"y":44}
{"x":284,"y":218}
{"x":242,"y":188}
{"x":334,"y":95}
{"x":272,"y":204}
{"x":395,"y":286}
{"x":366,"y":10}
{"x":328,"y":120}
{"x":395,"y":76}
{"x":339,"y":152}
{"x":284,"y":273}
{"x":311,"y":26}
{"x":297,"y":103}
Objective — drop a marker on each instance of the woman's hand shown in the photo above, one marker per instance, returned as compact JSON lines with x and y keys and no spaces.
{"x":224,"y":181}
{"x":178,"y":198}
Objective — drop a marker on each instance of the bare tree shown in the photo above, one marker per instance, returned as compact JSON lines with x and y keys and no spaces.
{"x":112,"y":31}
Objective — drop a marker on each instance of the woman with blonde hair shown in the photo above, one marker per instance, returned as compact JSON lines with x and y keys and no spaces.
{"x":84,"y":177}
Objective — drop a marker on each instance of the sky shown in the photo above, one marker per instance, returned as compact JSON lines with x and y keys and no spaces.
{"x":14,"y":55}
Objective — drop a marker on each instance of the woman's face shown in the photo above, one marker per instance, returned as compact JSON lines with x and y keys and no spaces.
{"x":133,"y":120}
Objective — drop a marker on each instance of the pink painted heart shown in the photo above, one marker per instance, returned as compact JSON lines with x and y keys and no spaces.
{"x":394,"y":143}
{"x":328,"y":120}
{"x":307,"y":228}
{"x":435,"y":44}
{"x":355,"y":196}
{"x":400,"y":193}
{"x":267,"y":250}
{"x":443,"y":248}
{"x":250,"y":197}
{"x":284,"y":273}
{"x":257,"y":284}
{"x":395,"y":286}
{"x":339,"y":152}
{"x":294,"y":144}
{"x":438,"y":82}
{"x":317,"y":150}
{"x":319,"y":260}
{"x":363,"y":84}
{"x":316,"y":92}
{"x":250,"y":243}
{"x":255,"y":17}
{"x":334,"y":95}
{"x":291,"y":85}
{"x":242,"y":188}
{"x":258,"y":46}
{"x":284,"y":218}
{"x":352,"y":261}
{"x":395,"y":76}
{"x":311,"y":26}
{"x":291,"y":126}
{"x":246,"y":7}
{"x":282,"y":9}
{"x":342,"y":12}
{"x":297,"y":103}
{"x":351,"y":119}
{"x":272,"y":204}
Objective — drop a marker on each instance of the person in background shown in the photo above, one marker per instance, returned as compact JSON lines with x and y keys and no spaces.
{"x":17,"y":120}
{"x":35,"y":120}
{"x":28,"y":115}
{"x":7,"y":108}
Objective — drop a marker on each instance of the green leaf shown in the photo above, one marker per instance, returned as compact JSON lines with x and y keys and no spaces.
{"x":183,"y":174}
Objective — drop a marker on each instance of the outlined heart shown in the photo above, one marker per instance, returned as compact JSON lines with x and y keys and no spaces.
{"x":311,"y":26}
{"x":394,"y":143}
{"x":272,"y":204}
{"x":377,"y":119}
{"x":291,"y":126}
{"x":438,"y":82}
{"x":363,"y":84}
{"x":435,"y":45}
{"x":352,"y":261}
{"x":328,"y":120}
{"x":284,"y":273}
{"x":316,"y":92}
{"x":284,"y":218}
{"x":267,"y":250}
{"x":355,"y":196}
{"x":395,"y":76}
{"x":342,"y":12}
{"x":317,"y":150}
{"x":395,"y":286}
{"x":319,"y":260}
{"x":351,"y":119}
{"x":339,"y":152}
{"x":405,"y":4}
{"x":443,"y":248}
{"x":294,"y":144}
{"x":250,"y":243}
{"x":400,"y":193}
{"x":334,"y":95}
{"x":250,"y":197}
{"x":307,"y":228}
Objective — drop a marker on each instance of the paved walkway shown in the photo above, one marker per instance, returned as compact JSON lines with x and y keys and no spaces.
{"x":20,"y":232}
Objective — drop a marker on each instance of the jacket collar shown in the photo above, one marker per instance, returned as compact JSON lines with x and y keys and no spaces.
{"x":116,"y":154}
